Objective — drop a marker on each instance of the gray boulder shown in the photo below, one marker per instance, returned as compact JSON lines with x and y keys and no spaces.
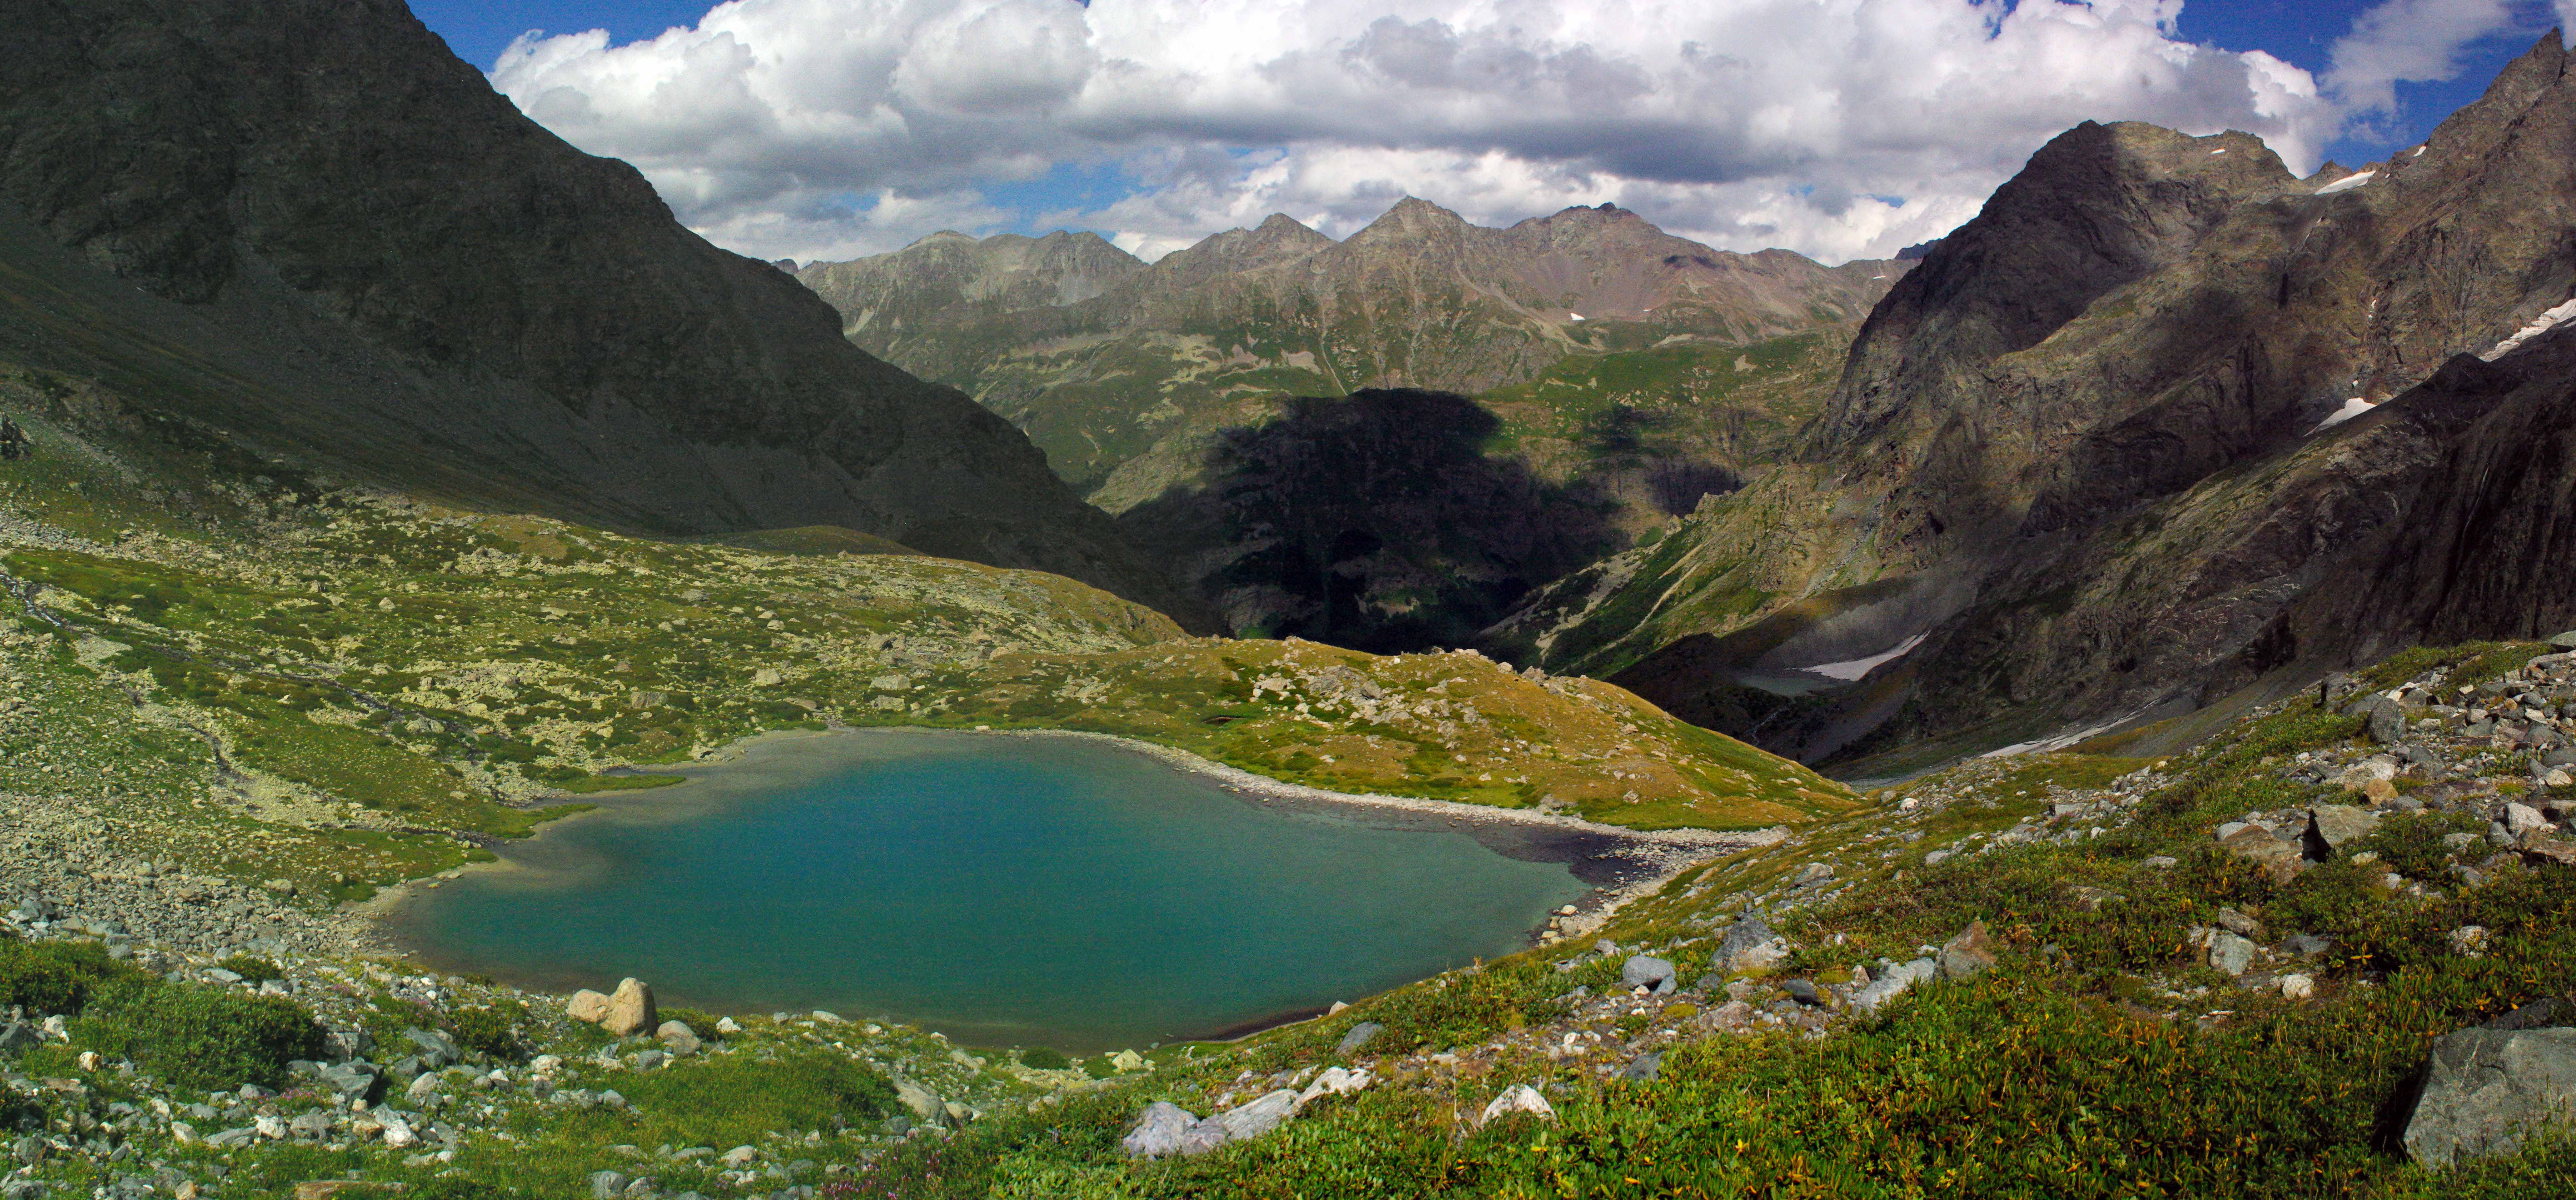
{"x":607,"y":1185}
{"x":1749,"y":945}
{"x":2488,"y":1089}
{"x":18,"y":1037}
{"x":436,"y":1049}
{"x":1202,"y":1137}
{"x":1358,"y":1038}
{"x":2383,"y":719}
{"x":1258,"y":1116}
{"x":1159,"y":1131}
{"x":1968,"y":955}
{"x":1644,"y":1067}
{"x":2230,"y":953}
{"x":1893,"y":981}
{"x":1646,"y":971}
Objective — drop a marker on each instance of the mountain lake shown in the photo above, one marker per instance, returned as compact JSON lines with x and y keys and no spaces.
{"x":1003,"y":890}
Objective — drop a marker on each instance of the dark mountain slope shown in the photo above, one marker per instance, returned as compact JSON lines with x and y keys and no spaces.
{"x":348,"y":249}
{"x":2081,"y":442}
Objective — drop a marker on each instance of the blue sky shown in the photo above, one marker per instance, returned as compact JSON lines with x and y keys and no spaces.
{"x":987,"y":140}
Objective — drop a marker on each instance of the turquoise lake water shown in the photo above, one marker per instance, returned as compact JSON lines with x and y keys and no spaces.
{"x":1001,"y":890}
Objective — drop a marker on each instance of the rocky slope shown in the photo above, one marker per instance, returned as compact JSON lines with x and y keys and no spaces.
{"x":311,"y":229}
{"x":2083,"y":452}
{"x":1100,"y":356}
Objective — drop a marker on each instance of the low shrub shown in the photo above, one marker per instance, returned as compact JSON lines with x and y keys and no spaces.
{"x":493,"y":1031}
{"x":214,"y":1038}
{"x":1041,"y":1058}
{"x":57,"y":977}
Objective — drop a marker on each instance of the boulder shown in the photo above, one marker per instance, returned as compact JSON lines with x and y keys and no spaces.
{"x":587,"y":1005}
{"x":436,"y":1048}
{"x":2282,"y":860}
{"x":2331,"y":827}
{"x":630,"y":1009}
{"x":1644,"y":1067}
{"x":607,"y":1185}
{"x":2381,"y":718}
{"x":1647,"y":971}
{"x":1358,"y":1038}
{"x":1335,"y":1081}
{"x":1258,"y":1116}
{"x":1968,"y":955}
{"x":1893,"y":981}
{"x":921,"y":1100}
{"x":2520,"y":819}
{"x":18,"y":1037}
{"x":2231,"y":953}
{"x":1518,"y":1098}
{"x":1749,"y":946}
{"x":2485,"y":1090}
{"x":2297,"y":987}
{"x":1158,"y":1133}
{"x":1207,"y":1135}
{"x":677,"y":1037}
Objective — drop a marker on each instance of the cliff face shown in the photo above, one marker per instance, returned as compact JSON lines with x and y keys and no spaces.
{"x":2083,"y":452}
{"x":308,"y":225}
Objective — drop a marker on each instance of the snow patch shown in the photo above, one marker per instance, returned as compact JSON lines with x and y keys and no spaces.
{"x":1852,"y":669}
{"x":2419,"y":151}
{"x":2539,"y":325}
{"x":2215,"y":153}
{"x":2351,"y":408}
{"x":2346,"y":184}
{"x":2060,"y":742}
{"x":1578,"y":316}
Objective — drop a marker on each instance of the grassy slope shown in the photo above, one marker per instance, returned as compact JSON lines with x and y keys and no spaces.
{"x":283,"y":678}
{"x":2099,"y":1059}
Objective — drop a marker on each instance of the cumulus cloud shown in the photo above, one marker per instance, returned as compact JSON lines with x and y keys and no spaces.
{"x":1841,"y":128}
{"x":2410,"y":40}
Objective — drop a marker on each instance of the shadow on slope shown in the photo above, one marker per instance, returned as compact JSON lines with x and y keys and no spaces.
{"x":1375,"y":521}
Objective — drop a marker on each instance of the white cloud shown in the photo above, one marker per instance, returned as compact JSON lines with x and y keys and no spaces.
{"x":2410,"y":40}
{"x":1835,"y":127}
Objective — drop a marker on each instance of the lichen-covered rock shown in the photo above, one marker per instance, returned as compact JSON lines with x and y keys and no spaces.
{"x":630,"y":1009}
{"x":2486,"y":1090}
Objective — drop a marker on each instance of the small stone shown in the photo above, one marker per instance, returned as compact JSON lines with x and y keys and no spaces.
{"x":677,"y":1037}
{"x":1934,"y":858}
{"x":1804,"y":991}
{"x":2297,"y":987}
{"x":1358,"y":1038}
{"x":2469,"y":941}
{"x":1893,"y":981}
{"x":2091,"y":899}
{"x":1518,"y":1098}
{"x":2520,"y":818}
{"x":1644,"y":1067}
{"x":740,"y":1157}
{"x":2238,"y":923}
{"x":607,"y":1185}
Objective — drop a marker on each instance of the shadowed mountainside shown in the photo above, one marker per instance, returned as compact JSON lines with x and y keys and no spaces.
{"x":309,"y":227}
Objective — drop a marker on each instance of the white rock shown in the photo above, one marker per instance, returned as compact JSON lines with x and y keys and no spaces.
{"x":2520,"y":818}
{"x":398,"y":1132}
{"x":1520,"y":1097}
{"x":2297,"y":987}
{"x":1335,"y":1081}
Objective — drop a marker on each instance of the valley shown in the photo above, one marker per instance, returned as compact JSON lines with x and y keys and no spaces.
{"x":502,"y":697}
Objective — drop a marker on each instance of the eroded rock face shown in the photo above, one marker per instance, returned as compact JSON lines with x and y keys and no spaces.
{"x":387,"y":268}
{"x":2487,"y":1090}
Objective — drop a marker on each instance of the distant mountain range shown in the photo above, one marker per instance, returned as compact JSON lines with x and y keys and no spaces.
{"x":1618,"y":374}
{"x":2163,"y":432}
{"x":386,"y":270}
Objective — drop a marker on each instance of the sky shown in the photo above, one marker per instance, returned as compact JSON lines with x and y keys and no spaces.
{"x":832,"y":129}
